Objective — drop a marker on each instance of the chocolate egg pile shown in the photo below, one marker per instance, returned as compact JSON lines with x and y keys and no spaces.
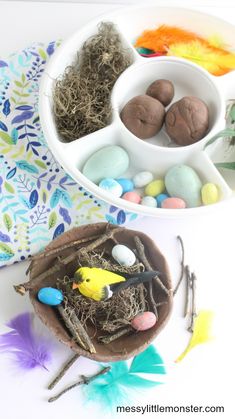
{"x":186,"y":121}
{"x":180,"y":187}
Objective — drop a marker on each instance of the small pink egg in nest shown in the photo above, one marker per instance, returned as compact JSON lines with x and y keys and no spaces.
{"x":144,"y":321}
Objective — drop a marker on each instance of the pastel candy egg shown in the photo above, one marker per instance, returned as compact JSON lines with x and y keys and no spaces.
{"x":108,"y":162}
{"x":155,"y":187}
{"x":149,"y":201}
{"x":142,"y":179}
{"x":123,"y":255}
{"x":126,"y":184}
{"x":173,"y":203}
{"x":160,"y":198}
{"x":132,"y":197}
{"x":144,"y":321}
{"x":183,"y":182}
{"x":112,"y":186}
{"x":50,"y":296}
{"x":210,"y":194}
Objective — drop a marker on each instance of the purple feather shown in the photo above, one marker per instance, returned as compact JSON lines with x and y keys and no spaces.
{"x":29,"y":350}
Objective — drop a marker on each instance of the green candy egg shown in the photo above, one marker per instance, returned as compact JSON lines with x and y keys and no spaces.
{"x":183,"y":182}
{"x":108,"y":162}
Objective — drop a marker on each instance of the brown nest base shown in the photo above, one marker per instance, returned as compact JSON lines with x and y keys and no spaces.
{"x":107,"y":317}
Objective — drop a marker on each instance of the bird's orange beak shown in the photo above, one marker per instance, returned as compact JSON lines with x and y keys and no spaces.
{"x":75,"y":286}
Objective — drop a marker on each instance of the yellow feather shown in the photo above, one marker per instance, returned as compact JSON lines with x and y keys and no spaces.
{"x":201,"y":333}
{"x":217,"y":62}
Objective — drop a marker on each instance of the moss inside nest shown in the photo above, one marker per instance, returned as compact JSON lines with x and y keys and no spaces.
{"x":81,"y":97}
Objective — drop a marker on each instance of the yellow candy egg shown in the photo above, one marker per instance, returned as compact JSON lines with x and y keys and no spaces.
{"x":209,"y":193}
{"x":155,"y":187}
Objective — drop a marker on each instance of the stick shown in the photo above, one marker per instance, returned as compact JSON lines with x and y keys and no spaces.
{"x":82,"y":332}
{"x":111,"y":338}
{"x":84,"y":380}
{"x":63,"y":371}
{"x":142,"y":256}
{"x":23,"y":288}
{"x":182,"y":266}
{"x":52,"y":252}
{"x":188,"y":279}
{"x":71,"y":327}
{"x":193,"y":311}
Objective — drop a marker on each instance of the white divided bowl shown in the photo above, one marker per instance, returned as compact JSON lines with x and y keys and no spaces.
{"x":156,"y":154}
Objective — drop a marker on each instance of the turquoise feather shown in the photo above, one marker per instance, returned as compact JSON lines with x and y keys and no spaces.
{"x":111,"y":389}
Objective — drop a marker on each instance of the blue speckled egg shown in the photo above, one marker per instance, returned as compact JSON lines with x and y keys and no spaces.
{"x":160,"y":198}
{"x":112,"y":186}
{"x":183,"y":182}
{"x":126,"y":184}
{"x":50,"y":296}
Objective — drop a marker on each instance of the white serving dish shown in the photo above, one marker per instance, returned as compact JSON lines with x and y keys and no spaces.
{"x":188,"y":79}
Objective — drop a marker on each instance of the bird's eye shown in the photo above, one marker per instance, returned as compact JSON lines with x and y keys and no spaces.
{"x":87,"y":280}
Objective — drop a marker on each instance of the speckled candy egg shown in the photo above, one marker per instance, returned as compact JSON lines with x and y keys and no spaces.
{"x":142,"y":179}
{"x":183,"y":182}
{"x":112,"y":186}
{"x":126,"y":184}
{"x":149,"y":201}
{"x":155,"y":187}
{"x":210,"y":194}
{"x":108,"y":162}
{"x":132,"y":197}
{"x":50,"y":296}
{"x":173,"y":203}
{"x":160,"y":198}
{"x":123,"y":255}
{"x":143,"y":321}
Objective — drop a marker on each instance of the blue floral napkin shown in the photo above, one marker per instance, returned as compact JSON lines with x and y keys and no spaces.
{"x":38,"y":200}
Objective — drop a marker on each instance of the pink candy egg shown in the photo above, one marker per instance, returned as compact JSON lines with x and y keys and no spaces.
{"x":144,"y":321}
{"x":173,"y":203}
{"x":132,"y":197}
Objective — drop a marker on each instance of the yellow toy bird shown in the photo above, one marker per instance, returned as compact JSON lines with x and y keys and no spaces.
{"x":100,"y":284}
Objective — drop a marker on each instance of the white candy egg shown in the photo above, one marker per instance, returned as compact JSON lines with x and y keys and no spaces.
{"x":142,"y":179}
{"x":123,"y":255}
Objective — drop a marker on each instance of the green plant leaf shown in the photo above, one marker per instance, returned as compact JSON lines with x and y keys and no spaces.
{"x":228,"y":165}
{"x":42,"y":54}
{"x":40,"y":164}
{"x":52,"y":220}
{"x":7,"y":221}
{"x":6,"y":249}
{"x":18,"y":83}
{"x":9,"y":187}
{"x":6,"y":137}
{"x":225,"y":133}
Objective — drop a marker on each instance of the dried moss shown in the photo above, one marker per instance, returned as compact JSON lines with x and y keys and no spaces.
{"x":81,"y":98}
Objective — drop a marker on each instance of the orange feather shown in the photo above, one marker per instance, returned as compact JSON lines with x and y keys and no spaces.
{"x":160,"y":39}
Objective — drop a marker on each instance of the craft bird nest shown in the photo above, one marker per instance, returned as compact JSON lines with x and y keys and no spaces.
{"x":103,"y":318}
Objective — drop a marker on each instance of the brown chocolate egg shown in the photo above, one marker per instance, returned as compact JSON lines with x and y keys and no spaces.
{"x":162,"y":90}
{"x":187,"y":121}
{"x":143,"y":116}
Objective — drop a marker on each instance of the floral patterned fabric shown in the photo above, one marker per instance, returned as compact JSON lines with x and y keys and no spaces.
{"x":38,"y":200}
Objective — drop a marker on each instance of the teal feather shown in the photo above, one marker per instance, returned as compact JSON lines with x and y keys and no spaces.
{"x":117,"y":386}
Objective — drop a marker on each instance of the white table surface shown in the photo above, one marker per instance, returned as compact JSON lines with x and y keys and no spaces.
{"x":206,"y":376}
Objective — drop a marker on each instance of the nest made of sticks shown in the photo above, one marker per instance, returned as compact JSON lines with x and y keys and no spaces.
{"x":106,"y":317}
{"x":81,"y":97}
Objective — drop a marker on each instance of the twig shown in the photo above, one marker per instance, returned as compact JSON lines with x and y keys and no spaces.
{"x":23,"y":288}
{"x":111,"y":338}
{"x":182,"y":266}
{"x":193,"y":311}
{"x":82,"y":332}
{"x":63,"y":371}
{"x":48,"y":253}
{"x":84,"y":380}
{"x":188,"y":279}
{"x":71,"y":327}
